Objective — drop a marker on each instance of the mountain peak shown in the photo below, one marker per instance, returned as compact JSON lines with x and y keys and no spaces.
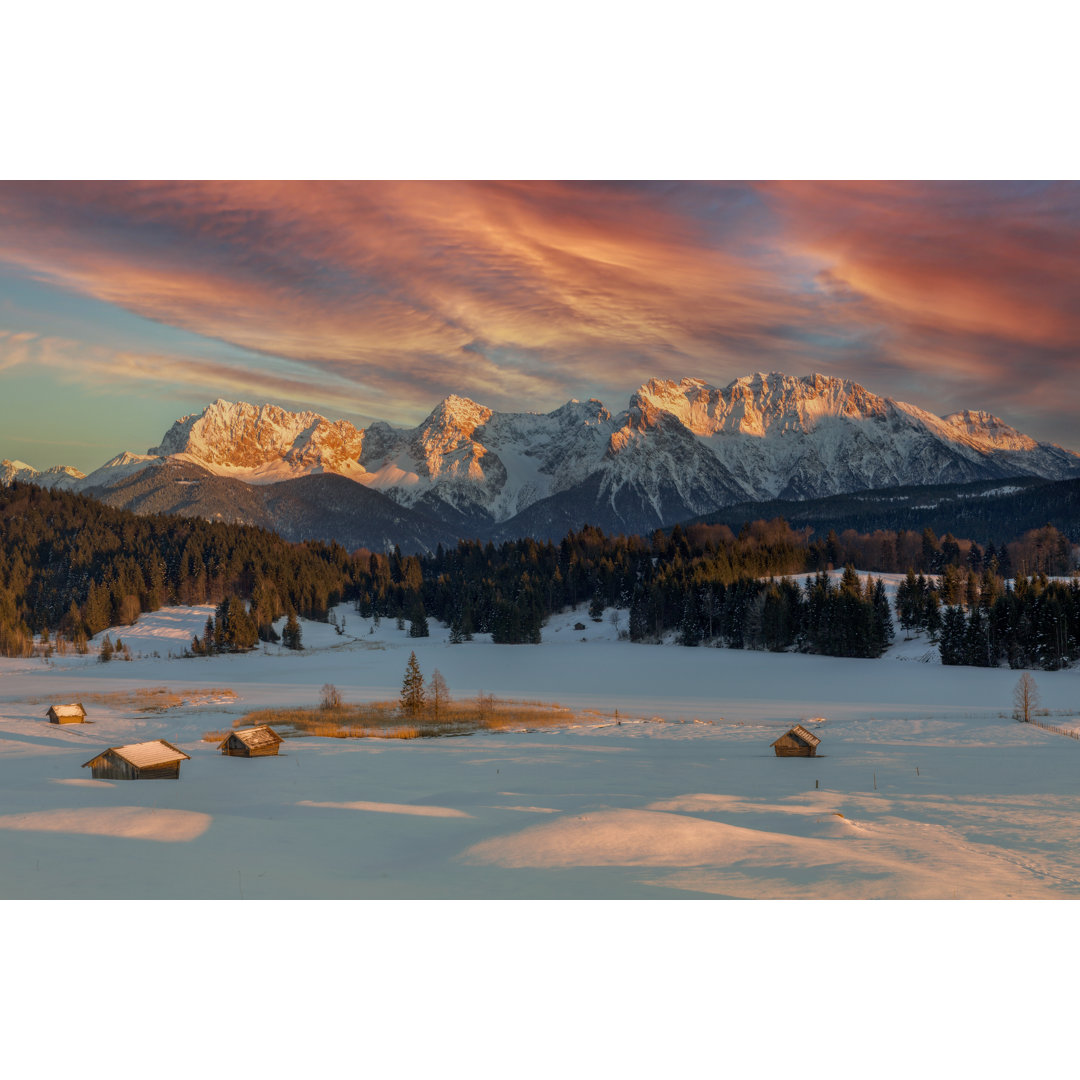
{"x":460,"y":413}
{"x":59,"y":476}
{"x":989,"y":430}
{"x":682,"y":447}
{"x":240,"y":435}
{"x":759,"y":403}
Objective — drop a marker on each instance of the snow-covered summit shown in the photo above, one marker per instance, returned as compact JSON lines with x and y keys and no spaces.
{"x":59,"y":476}
{"x":990,"y":431}
{"x":760,"y":404}
{"x":679,"y":449}
{"x":240,"y":436}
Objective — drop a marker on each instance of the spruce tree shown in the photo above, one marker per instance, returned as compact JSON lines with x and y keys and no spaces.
{"x":596,"y":607}
{"x":953,"y":644}
{"x":412,"y":687}
{"x":291,"y":636}
{"x":418,"y":624}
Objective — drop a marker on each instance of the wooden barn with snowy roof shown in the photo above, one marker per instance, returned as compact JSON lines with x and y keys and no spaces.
{"x":67,"y":714}
{"x":259,"y":741}
{"x":797,"y":742}
{"x":156,"y":760}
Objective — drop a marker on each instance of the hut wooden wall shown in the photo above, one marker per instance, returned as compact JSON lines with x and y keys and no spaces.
{"x":160,"y":772}
{"x":791,"y":747}
{"x":238,"y":748}
{"x":235,"y":748}
{"x":112,"y":767}
{"x":54,"y":719}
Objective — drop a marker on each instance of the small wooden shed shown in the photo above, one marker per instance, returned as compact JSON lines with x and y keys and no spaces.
{"x":260,"y":741}
{"x":157,"y":760}
{"x":797,"y":742}
{"x":67,"y":714}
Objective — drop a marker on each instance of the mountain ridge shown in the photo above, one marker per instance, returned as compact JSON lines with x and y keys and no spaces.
{"x":678,"y":450}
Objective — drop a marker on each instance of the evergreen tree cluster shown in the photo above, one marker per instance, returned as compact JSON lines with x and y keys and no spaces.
{"x":71,"y":566}
{"x":1035,"y":623}
{"x":509,"y":591}
{"x":233,"y":630}
{"x":74,"y":566}
{"x":846,"y":619}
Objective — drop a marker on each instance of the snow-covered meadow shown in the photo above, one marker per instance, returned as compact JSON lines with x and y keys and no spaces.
{"x":925,"y":786}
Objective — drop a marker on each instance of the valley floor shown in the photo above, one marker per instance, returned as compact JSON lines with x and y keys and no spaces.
{"x":925,"y":786}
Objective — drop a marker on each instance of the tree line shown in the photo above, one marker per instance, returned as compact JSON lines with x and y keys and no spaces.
{"x":71,"y":567}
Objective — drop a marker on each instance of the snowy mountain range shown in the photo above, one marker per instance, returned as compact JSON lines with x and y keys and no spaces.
{"x":678,"y":450}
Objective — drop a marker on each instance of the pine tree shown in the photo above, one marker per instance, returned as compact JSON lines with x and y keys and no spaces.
{"x":932,"y":614}
{"x":418,"y":624}
{"x":412,"y":687}
{"x":106,"y":653}
{"x":596,"y":607}
{"x":882,"y":622}
{"x":291,"y":636}
{"x":953,"y":636}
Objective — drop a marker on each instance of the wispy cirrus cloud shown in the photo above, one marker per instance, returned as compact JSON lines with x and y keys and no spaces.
{"x":95,"y":365}
{"x":393,"y":294}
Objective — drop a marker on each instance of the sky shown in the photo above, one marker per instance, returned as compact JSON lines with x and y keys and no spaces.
{"x":124,"y":306}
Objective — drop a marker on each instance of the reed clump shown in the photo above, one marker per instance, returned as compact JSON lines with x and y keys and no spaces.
{"x":388,"y":720}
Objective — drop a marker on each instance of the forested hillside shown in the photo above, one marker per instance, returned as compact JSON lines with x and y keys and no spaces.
{"x":71,"y":566}
{"x":74,"y":566}
{"x":992,"y":511}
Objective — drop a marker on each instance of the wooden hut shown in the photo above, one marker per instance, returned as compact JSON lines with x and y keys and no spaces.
{"x":797,"y":742}
{"x":251,"y":742}
{"x":67,"y":714}
{"x":157,"y":760}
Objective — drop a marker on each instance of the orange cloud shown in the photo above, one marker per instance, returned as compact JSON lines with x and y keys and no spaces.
{"x":992,"y":260}
{"x":396,"y":293}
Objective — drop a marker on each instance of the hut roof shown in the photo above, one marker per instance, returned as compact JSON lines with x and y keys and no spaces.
{"x":74,"y":709}
{"x":253,"y":737}
{"x":800,"y":732}
{"x":145,"y":754}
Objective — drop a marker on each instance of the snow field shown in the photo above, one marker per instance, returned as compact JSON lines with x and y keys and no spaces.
{"x":925,"y":788}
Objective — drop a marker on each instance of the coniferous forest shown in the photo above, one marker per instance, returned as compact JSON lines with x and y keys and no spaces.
{"x":71,"y":567}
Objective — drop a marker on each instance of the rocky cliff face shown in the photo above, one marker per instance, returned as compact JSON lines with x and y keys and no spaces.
{"x":242,"y":436}
{"x":678,"y":450}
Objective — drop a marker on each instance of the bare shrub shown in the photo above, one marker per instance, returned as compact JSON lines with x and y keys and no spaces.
{"x":1025,"y":698}
{"x":331,"y":697}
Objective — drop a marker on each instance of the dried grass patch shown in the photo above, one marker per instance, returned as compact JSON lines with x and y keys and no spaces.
{"x":149,"y":699}
{"x":387,"y":720}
